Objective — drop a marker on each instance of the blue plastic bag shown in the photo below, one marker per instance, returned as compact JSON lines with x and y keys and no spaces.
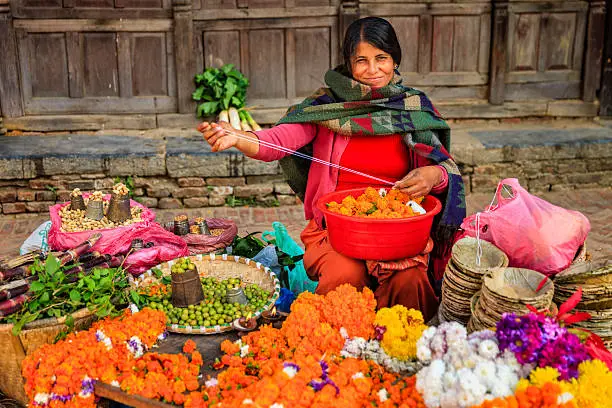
{"x":298,"y":279}
{"x":267,"y":257}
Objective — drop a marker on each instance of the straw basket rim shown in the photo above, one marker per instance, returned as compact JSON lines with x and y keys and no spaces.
{"x":546,"y":291}
{"x":469,"y":244}
{"x":50,"y":321}
{"x":185,"y":329}
{"x":574,"y":273}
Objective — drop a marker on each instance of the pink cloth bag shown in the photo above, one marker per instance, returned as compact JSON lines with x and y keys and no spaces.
{"x":534,"y":233}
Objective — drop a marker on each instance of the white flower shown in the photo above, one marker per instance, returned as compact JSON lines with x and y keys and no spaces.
{"x":488,"y":349}
{"x":358,"y":375}
{"x":211,"y":383}
{"x":115,"y":383}
{"x":383,"y":395}
{"x":135,"y":346}
{"x":290,"y":370}
{"x":449,"y":400}
{"x":501,"y":389}
{"x":428,"y":333}
{"x":134,"y":308}
{"x":244,"y":351}
{"x":276,"y":405}
{"x":565,"y":397}
{"x":438,"y":347}
{"x":507,"y":375}
{"x":41,"y":398}
{"x":466,"y":399}
{"x":436,"y":369}
{"x":449,"y":380}
{"x":423,"y":353}
{"x":485,"y":371}
{"x":247,"y":401}
{"x":344,"y":333}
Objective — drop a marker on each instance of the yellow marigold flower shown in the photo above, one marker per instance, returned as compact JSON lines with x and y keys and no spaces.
{"x":403,"y":328}
{"x":541,"y":376}
{"x":592,"y":388}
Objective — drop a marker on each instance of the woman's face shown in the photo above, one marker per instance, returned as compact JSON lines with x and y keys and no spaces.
{"x":372,"y":66}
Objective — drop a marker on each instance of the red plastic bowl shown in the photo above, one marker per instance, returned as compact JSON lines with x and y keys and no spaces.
{"x":374,"y":238}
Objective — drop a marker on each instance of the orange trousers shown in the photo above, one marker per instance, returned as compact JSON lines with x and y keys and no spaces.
{"x":398,"y":282}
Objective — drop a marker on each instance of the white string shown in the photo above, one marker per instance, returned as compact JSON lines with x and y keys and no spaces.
{"x":307,"y":157}
{"x":478,"y":246}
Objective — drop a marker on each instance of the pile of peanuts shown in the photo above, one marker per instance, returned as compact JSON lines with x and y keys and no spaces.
{"x":75,"y":220}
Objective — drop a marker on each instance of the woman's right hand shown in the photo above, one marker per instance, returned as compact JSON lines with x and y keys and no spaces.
{"x":216,"y":136}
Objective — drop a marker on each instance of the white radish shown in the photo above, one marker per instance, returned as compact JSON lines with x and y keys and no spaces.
{"x":252,"y":122}
{"x":245,"y":126}
{"x":234,"y":118}
{"x":223,"y":116}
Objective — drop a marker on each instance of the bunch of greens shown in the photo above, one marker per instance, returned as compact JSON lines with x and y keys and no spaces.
{"x":55,"y":294}
{"x":219,"y":89}
{"x":249,"y":246}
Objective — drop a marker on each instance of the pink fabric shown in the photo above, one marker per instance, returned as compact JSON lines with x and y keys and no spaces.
{"x":328,"y":146}
{"x":443,"y":184}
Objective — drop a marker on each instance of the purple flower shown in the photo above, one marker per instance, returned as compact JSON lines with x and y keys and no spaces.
{"x":62,"y":398}
{"x":379,"y":332}
{"x":325,"y":380}
{"x":87,"y":385}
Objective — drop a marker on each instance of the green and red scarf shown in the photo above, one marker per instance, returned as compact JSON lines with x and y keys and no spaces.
{"x":351,"y":108}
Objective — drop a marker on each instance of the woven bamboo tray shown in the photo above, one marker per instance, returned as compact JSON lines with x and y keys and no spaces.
{"x":220,"y":267}
{"x":33,"y":335}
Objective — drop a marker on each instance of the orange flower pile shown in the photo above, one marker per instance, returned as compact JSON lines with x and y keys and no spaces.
{"x":370,"y":204}
{"x":360,"y":384}
{"x":62,"y":374}
{"x":548,"y":395}
{"x":158,"y":290}
{"x":290,"y":366}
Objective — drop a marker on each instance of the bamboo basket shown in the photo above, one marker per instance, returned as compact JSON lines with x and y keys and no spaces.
{"x":33,"y":335}
{"x":220,"y":267}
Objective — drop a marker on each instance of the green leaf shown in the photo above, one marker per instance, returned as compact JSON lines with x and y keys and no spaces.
{"x":44,"y":298}
{"x":52,"y":265}
{"x":166,"y":280}
{"x":227,"y":68}
{"x":197,"y":95}
{"x":135,"y":297}
{"x":36,"y":286}
{"x":208,"y":108}
{"x":236,"y":102}
{"x":69,"y":321}
{"x":91,"y":285}
{"x":157,"y":272}
{"x":75,"y":296}
{"x":105,"y":283}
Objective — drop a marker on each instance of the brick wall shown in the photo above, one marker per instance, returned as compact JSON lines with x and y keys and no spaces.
{"x":171,"y":179}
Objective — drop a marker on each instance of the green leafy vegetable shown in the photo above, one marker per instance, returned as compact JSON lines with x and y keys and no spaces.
{"x":219,"y":89}
{"x":55,"y":294}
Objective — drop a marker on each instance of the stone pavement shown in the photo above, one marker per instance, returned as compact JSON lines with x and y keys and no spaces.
{"x":596,"y":204}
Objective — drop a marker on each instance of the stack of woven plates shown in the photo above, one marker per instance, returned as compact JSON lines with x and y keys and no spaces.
{"x":463,"y":277}
{"x":509,"y":290}
{"x":595,"y":278}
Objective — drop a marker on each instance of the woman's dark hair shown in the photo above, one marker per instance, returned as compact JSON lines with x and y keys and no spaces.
{"x":375,"y":31}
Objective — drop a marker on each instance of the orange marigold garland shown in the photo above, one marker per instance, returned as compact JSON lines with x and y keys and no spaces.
{"x":549,"y":395}
{"x":111,"y":351}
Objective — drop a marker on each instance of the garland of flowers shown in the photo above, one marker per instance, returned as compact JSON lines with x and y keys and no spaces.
{"x":112,"y":351}
{"x":300,"y":364}
{"x":540,"y":341}
{"x":591,"y":389}
{"x":399,"y":329}
{"x":547,"y":395}
{"x":464,"y":370}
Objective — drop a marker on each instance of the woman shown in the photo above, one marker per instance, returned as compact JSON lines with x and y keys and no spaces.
{"x":368,"y":121}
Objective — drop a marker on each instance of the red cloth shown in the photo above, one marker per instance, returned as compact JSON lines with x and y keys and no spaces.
{"x":385,"y":157}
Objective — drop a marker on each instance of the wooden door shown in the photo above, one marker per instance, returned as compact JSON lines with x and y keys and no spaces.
{"x":84,"y":66}
{"x":545,"y":50}
{"x":445,"y":46}
{"x":285,"y":59}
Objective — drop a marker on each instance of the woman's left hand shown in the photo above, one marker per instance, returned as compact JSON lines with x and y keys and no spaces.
{"x":420,"y":181}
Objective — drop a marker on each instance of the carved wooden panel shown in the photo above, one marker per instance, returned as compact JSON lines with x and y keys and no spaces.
{"x":312,"y":59}
{"x":100,"y":71}
{"x":149,"y":64}
{"x":220,"y":48}
{"x":266,"y":68}
{"x":46,"y":54}
{"x":407,"y":30}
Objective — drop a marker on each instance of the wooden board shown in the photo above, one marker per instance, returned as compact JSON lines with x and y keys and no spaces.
{"x":149,"y":64}
{"x":312,"y":59}
{"x":48,"y":76}
{"x":100,"y":71}
{"x":10,"y":92}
